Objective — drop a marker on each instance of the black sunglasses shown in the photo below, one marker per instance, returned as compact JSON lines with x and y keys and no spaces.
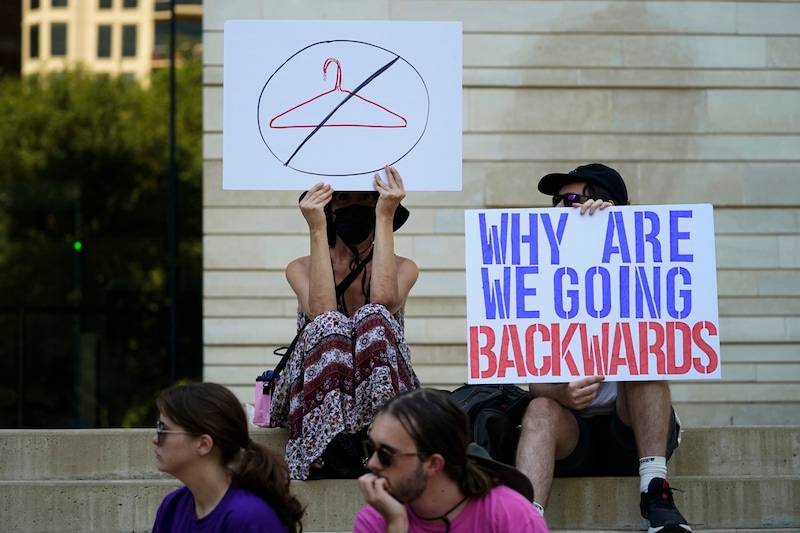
{"x":161,"y":433}
{"x":385,"y":455}
{"x":570,"y":198}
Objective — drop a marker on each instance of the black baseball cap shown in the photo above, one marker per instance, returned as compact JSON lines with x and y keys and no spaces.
{"x":602,"y":175}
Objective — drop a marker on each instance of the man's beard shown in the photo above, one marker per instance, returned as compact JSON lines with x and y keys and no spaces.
{"x":411,"y":487}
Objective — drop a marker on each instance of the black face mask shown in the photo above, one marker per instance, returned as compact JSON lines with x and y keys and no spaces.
{"x":354,"y":223}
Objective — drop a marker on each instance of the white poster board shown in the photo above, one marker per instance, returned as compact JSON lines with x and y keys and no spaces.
{"x":336,"y":101}
{"x":629,"y":293}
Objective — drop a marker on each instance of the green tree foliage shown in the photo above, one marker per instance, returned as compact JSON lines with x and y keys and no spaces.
{"x":84,"y":162}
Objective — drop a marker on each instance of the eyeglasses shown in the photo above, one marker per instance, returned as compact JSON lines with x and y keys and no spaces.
{"x":385,"y":455}
{"x":570,"y":198}
{"x":161,"y":433}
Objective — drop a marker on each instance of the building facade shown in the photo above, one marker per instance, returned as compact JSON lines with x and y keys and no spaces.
{"x":694,"y":102}
{"x":120,"y":37}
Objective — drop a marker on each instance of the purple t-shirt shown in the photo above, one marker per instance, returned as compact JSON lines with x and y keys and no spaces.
{"x":239,"y":511}
{"x":500,"y":511}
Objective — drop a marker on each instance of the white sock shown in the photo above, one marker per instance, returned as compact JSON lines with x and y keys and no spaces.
{"x":650,"y":467}
{"x":539,"y":508}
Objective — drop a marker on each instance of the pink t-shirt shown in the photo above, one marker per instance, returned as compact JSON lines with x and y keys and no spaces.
{"x":501,"y":511}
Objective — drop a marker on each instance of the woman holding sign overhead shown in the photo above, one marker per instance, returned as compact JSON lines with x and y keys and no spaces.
{"x":351,"y":355}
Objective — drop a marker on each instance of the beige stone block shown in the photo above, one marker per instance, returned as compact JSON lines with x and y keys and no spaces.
{"x":747,"y":252}
{"x":526,"y":110}
{"x":238,"y":355}
{"x":784,"y":306}
{"x":656,"y":111}
{"x":449,"y":283}
{"x":439,"y":354}
{"x":271,"y":252}
{"x":435,"y":330}
{"x":765,"y":18}
{"x":247,"y":307}
{"x":789,"y":252}
{"x":761,"y":353}
{"x":227,"y":284}
{"x":212,"y":108}
{"x":452,"y":375}
{"x":758,"y":283}
{"x":525,"y":50}
{"x":717,"y":391}
{"x":215,"y":196}
{"x":241,"y":374}
{"x":213,"y":52}
{"x":775,"y":190}
{"x":439,"y":251}
{"x":749,"y":111}
{"x":216,"y":13}
{"x":782,"y":52}
{"x":784,"y":221}
{"x":254,"y":220}
{"x":753,"y":329}
{"x":212,"y":76}
{"x":698,"y":51}
{"x":421,"y":306}
{"x":614,"y":78}
{"x":738,"y":372}
{"x":212,"y":146}
{"x":778,"y":372}
{"x":326,"y":10}
{"x":248,"y":331}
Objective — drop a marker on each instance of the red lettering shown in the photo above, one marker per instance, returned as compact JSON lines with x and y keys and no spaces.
{"x":686,"y":347}
{"x":622,"y":336}
{"x":476,"y":350}
{"x":530,"y":355}
{"x":595,"y":355}
{"x":655,"y":348}
{"x":510,"y":334}
{"x":561,"y":350}
{"x":713,"y":357}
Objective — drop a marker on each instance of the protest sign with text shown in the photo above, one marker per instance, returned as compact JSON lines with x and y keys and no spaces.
{"x":629,"y":293}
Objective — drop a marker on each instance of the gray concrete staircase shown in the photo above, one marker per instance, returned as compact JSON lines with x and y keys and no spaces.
{"x":734,"y":479}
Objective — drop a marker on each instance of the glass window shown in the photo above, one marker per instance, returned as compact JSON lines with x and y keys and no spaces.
{"x":105,"y":4}
{"x":104,"y":40}
{"x":34,"y":4}
{"x":129,"y":4}
{"x":58,"y":39}
{"x":129,"y":40}
{"x":59,"y":3}
{"x":34,"y":36}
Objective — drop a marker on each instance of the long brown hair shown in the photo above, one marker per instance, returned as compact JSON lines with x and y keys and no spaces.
{"x":437,"y":424}
{"x":212,"y":409}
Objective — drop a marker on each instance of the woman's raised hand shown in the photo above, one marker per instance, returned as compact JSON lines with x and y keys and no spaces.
{"x":313,"y":204}
{"x":391,"y":192}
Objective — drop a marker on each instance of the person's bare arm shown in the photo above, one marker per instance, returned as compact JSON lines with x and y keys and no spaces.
{"x":311,"y":277}
{"x":392,"y":277}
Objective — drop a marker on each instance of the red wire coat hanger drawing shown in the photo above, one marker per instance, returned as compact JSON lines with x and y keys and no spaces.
{"x":338,"y":89}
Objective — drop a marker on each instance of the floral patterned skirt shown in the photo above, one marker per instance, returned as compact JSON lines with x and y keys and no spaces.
{"x":342,"y":369}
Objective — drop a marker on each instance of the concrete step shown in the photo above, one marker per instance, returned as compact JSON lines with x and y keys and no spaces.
{"x":592,"y":504}
{"x":128,"y":453}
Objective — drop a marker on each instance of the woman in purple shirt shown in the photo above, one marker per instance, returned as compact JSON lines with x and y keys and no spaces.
{"x":231,"y":484}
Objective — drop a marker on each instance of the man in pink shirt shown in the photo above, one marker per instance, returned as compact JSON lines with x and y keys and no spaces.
{"x":427,"y":477}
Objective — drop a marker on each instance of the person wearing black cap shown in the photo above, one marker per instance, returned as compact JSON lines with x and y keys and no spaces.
{"x":427,"y":477}
{"x":351,"y":353}
{"x":590,"y":427}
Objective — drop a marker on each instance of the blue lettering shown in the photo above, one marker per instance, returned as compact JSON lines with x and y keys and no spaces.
{"x":497,"y":301}
{"x":676,"y":236}
{"x":494,"y":246}
{"x":616,"y":226}
{"x":686,"y":295}
{"x":605,"y":292}
{"x":523,"y":292}
{"x":650,"y":237}
{"x":571,"y":295}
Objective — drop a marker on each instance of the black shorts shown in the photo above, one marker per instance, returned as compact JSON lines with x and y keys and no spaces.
{"x":606,"y":447}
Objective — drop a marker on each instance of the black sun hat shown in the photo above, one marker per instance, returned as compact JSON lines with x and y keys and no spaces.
{"x":510,"y":476}
{"x":400,"y":214}
{"x":605,"y":176}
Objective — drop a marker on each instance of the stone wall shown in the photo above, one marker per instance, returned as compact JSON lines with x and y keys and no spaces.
{"x":693,"y":102}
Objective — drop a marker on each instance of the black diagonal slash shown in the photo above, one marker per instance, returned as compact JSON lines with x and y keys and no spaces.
{"x":346,"y":98}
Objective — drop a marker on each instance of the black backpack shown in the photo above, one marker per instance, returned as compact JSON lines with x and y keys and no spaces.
{"x":495,"y":415}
